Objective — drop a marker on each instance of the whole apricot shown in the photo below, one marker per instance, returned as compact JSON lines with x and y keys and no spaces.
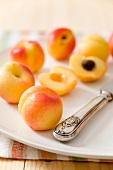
{"x":94,"y":45}
{"x":60,"y":43}
{"x":15,"y":78}
{"x":111,"y":44}
{"x":29,"y":53}
{"x":40,"y":107}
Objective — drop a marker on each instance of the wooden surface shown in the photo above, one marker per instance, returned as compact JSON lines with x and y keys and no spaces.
{"x":8,"y":164}
{"x":83,"y":15}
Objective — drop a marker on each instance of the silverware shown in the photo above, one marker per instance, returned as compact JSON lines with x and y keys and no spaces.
{"x":71,"y":126}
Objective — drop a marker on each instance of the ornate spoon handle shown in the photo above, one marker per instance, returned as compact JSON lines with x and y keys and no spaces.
{"x":70,"y":127}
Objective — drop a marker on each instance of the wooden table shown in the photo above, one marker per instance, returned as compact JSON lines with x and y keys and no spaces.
{"x":79,"y":15}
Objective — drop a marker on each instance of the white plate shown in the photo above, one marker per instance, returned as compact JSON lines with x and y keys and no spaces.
{"x":94,"y":141}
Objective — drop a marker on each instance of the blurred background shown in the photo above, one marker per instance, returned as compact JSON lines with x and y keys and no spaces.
{"x":80,"y":15}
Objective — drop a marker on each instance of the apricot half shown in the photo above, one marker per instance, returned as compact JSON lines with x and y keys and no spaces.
{"x":87,"y":69}
{"x":61,"y":79}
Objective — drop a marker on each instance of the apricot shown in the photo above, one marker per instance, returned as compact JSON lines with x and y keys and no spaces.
{"x":61,"y":79}
{"x":40,"y":107}
{"x":15,"y":78}
{"x":87,"y":69}
{"x":29,"y":53}
{"x":60,"y":43}
{"x":111,"y":44}
{"x":94,"y":45}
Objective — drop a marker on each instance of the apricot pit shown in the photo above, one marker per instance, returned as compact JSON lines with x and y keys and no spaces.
{"x":88,"y":64}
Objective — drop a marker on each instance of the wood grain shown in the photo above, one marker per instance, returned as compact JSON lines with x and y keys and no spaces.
{"x":9,"y":164}
{"x":64,"y":165}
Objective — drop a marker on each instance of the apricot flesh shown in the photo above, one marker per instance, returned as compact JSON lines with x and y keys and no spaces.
{"x":61,"y":79}
{"x":97,"y":71}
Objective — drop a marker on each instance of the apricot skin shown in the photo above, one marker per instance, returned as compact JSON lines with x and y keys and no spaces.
{"x":111,"y":44}
{"x":60,"y":43}
{"x":40,"y":107}
{"x":29,"y":53}
{"x":94,"y":45}
{"x":15,"y":78}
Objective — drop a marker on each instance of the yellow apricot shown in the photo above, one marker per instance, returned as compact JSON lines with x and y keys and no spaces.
{"x":61,"y":79}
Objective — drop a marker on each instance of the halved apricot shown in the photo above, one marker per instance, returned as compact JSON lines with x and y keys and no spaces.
{"x":87,"y":69}
{"x":61,"y":79}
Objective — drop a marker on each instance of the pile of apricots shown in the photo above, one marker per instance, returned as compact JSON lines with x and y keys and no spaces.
{"x":40,"y":105}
